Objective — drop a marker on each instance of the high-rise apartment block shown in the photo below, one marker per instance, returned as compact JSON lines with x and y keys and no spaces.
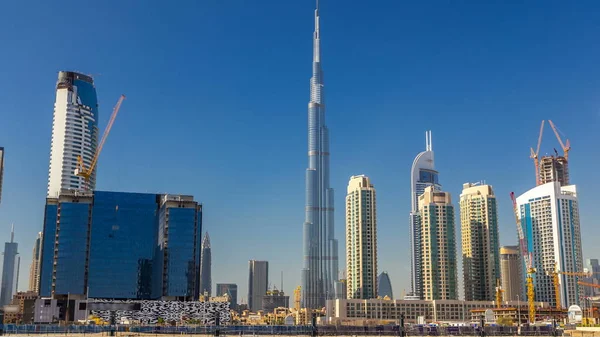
{"x":480,"y":247}
{"x":384,"y":286}
{"x":10,"y":270}
{"x":511,"y":270}
{"x":438,"y":245}
{"x":34,"y":269}
{"x":121,"y":246}
{"x":361,"y":238}
{"x":422,"y":175}
{"x":230,"y":289}
{"x":549,"y":215}
{"x":320,"y":265}
{"x":1,"y":170}
{"x":205,"y":267}
{"x":74,"y":132}
{"x":258,"y":283}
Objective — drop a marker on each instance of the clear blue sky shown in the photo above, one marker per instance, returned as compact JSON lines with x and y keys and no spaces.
{"x":217,"y":107}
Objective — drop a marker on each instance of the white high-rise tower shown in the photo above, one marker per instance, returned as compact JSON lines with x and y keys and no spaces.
{"x":422,"y":175}
{"x":74,"y":132}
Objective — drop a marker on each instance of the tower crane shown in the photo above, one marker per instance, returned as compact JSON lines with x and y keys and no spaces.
{"x":81,"y":170}
{"x":534,"y":155}
{"x":297,"y":295}
{"x":499,"y":292}
{"x":530,"y":270}
{"x":555,"y":281}
{"x":565,"y":146}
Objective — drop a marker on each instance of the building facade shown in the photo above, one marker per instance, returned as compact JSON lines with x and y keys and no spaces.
{"x":554,"y":168}
{"x":275,"y":299}
{"x":258,"y":283}
{"x":593,"y":268}
{"x":480,"y":243}
{"x":230,"y":289}
{"x":422,"y":175}
{"x":438,"y":245}
{"x":205,"y":267}
{"x":114,"y":245}
{"x":34,"y":269}
{"x":361,"y":238}
{"x":391,"y":310}
{"x":10,"y":270}
{"x":549,"y":216}
{"x":341,"y":289}
{"x":384,"y":286}
{"x":74,"y":132}
{"x":320,"y":248}
{"x":511,"y":270}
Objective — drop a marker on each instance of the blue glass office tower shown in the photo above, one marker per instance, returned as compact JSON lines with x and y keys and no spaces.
{"x":10,"y":270}
{"x":320,"y":248}
{"x":121,"y":246}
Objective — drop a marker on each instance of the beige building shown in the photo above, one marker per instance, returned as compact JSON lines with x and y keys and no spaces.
{"x":361,"y":238}
{"x":479,"y":238}
{"x":510,"y":271}
{"x":379,"y":310}
{"x":34,"y":269}
{"x":438,"y":245}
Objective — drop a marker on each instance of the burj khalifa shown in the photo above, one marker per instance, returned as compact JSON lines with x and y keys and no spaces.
{"x":320,"y":269}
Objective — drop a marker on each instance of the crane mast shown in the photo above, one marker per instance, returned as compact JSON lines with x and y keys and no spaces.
{"x":530,"y":270}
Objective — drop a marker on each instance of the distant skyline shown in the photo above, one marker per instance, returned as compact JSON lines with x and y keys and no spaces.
{"x":216,"y":108}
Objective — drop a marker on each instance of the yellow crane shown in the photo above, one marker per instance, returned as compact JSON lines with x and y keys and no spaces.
{"x":565,"y":146}
{"x":555,"y":281}
{"x":529,"y":269}
{"x":297,"y":294}
{"x":499,"y":292}
{"x":81,"y":170}
{"x":534,"y":155}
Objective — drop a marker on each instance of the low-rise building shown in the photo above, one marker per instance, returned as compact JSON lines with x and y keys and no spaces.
{"x":414,"y":311}
{"x":20,"y":309}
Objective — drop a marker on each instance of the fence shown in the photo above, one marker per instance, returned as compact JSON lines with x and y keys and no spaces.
{"x":282,"y":330}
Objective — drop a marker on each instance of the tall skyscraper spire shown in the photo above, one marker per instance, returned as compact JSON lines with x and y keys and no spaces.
{"x":320,"y":247}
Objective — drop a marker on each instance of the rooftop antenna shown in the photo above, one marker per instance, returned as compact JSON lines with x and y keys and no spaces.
{"x":12,"y":233}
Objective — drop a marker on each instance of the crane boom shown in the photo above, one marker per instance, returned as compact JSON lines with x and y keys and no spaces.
{"x":565,"y":146}
{"x":534,"y":154}
{"x":84,"y":172}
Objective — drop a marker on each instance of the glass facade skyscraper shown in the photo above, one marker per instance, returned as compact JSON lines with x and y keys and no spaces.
{"x":384,"y":286}
{"x":205,"y":267}
{"x":230,"y":289}
{"x":120,"y":266}
{"x":320,"y":247}
{"x":10,"y":270}
{"x":114,"y":245}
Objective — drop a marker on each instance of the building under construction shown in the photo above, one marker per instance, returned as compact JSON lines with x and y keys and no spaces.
{"x":554,"y":168}
{"x":275,"y":299}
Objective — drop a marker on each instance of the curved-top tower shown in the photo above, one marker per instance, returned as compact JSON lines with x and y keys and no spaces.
{"x":320,"y":267}
{"x":384,"y":286}
{"x":422,"y":175}
{"x":74,"y":132}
